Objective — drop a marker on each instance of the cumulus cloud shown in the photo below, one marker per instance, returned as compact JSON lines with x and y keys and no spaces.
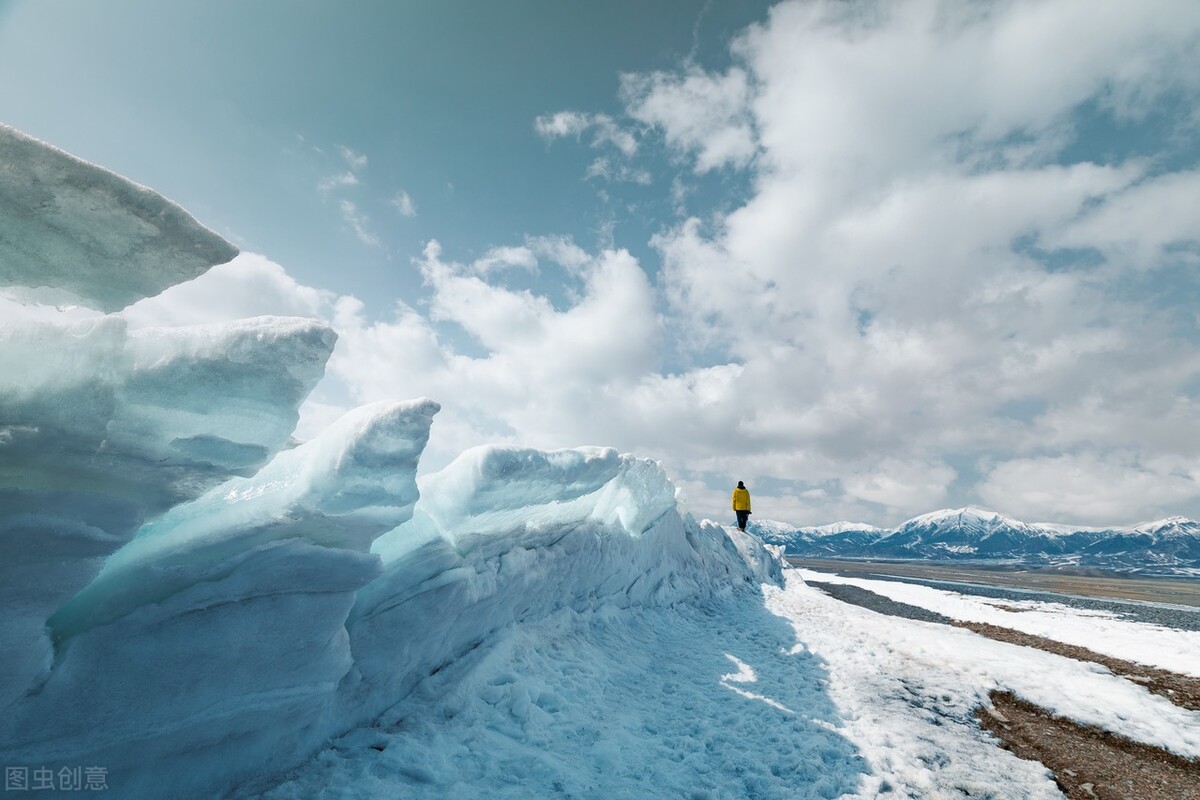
{"x":920,"y":275}
{"x":941,"y":289}
{"x":250,"y":285}
{"x":1091,"y":488}
{"x":504,"y":257}
{"x":704,"y":113}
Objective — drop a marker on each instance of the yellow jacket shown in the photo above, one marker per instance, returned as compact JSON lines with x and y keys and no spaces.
{"x":741,"y":499}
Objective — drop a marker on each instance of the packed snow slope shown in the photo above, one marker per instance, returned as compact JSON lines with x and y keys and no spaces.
{"x":1166,"y":546}
{"x":791,"y":694}
{"x":193,"y":605}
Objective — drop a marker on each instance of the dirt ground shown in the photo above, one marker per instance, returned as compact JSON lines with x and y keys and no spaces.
{"x":1088,"y":763}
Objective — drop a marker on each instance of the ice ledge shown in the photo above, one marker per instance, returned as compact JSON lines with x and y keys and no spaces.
{"x":77,"y":233}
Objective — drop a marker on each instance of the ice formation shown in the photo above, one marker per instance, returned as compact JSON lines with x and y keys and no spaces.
{"x":197,"y":606}
{"x":76,"y":233}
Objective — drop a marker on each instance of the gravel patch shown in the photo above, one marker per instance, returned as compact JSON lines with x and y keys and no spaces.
{"x":1089,"y":763}
{"x":877,"y":602}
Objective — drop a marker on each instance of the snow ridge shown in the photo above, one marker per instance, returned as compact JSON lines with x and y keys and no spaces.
{"x":192,"y":604}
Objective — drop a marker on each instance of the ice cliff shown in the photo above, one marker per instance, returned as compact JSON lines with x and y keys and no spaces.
{"x":195,"y":606}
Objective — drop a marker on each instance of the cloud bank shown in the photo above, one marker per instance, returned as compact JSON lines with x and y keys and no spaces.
{"x":965,"y":272}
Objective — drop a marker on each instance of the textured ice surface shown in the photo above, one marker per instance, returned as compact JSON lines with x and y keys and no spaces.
{"x":610,"y":537}
{"x":672,"y":701}
{"x":194,"y":609}
{"x":237,"y":633}
{"x":340,"y":490}
{"x":212,"y":647}
{"x":76,"y":233}
{"x":101,"y":429}
{"x":807,"y":697}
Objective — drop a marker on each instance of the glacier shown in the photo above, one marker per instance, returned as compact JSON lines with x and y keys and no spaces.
{"x":197,"y":602}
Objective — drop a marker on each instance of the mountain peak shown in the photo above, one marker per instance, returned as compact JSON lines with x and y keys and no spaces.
{"x":1168,"y":524}
{"x":959,"y":514}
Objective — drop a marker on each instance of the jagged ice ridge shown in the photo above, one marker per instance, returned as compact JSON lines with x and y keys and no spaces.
{"x":196,"y":605}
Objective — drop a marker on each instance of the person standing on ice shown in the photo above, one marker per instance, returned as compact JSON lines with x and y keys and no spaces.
{"x":741,"y":505}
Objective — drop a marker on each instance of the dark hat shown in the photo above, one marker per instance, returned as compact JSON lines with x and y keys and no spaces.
{"x":741,"y":485}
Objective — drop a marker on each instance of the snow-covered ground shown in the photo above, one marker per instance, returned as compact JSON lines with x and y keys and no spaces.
{"x":1100,"y":631}
{"x":670,"y":702}
{"x":794,"y":694}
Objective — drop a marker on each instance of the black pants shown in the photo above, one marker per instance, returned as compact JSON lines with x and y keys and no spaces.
{"x":743,"y":518}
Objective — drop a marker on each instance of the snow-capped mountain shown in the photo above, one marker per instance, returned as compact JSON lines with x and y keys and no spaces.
{"x":978,"y":534}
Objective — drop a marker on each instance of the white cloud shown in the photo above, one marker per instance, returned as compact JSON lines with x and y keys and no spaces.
{"x":902,"y":291}
{"x":358,"y":222}
{"x":606,"y":131}
{"x":604,"y":168}
{"x":1135,"y":227}
{"x":342,"y":180}
{"x":562,"y":123}
{"x":548,"y":377}
{"x":248,"y":286}
{"x":700,"y":112}
{"x":403,"y":202}
{"x":1089,"y":488}
{"x":355,"y":160}
{"x":902,"y":485}
{"x":562,"y":250}
{"x":885,"y":293}
{"x":501,"y":257}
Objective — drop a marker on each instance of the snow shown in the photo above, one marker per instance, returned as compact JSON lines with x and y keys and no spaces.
{"x":970,"y":513}
{"x":1100,"y":631}
{"x":76,"y":233}
{"x":814,"y":699}
{"x":680,"y":701}
{"x":203,"y":607}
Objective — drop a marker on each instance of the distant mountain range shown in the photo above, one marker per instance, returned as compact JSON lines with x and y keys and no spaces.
{"x":1169,"y":546}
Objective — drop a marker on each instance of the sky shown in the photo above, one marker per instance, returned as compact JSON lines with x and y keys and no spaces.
{"x":872,"y":258}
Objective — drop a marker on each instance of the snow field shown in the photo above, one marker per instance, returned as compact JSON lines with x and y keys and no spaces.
{"x":931,"y":676}
{"x":1103,"y":632}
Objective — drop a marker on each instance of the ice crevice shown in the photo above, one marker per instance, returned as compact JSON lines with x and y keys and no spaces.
{"x":193,"y":603}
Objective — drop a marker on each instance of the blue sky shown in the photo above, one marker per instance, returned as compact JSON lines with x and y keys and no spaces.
{"x":872,"y":258}
{"x":240,"y":110}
